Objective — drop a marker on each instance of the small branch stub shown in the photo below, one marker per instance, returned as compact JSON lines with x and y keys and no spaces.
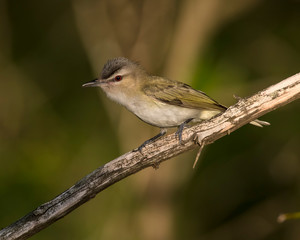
{"x":288,"y":216}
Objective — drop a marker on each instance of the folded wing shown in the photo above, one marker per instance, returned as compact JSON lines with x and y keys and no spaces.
{"x":180,"y":94}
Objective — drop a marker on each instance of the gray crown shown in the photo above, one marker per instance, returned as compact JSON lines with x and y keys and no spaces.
{"x":114,"y":65}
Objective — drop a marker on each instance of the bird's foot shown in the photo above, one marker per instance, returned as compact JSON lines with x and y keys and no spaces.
{"x":162,"y":132}
{"x":180,"y":129}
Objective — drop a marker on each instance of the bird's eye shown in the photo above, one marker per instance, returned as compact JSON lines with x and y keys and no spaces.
{"x":118,"y":78}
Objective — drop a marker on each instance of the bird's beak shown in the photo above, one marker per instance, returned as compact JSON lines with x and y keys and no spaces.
{"x":94,"y":83}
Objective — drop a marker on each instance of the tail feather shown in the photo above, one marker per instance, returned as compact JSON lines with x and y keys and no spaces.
{"x":260,"y":123}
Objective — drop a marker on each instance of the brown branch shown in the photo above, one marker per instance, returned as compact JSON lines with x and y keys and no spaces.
{"x":153,"y":154}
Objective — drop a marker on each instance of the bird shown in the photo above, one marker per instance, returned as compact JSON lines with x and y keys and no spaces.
{"x":158,"y":101}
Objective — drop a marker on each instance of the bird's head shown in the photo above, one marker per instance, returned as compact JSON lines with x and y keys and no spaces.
{"x":119,"y":74}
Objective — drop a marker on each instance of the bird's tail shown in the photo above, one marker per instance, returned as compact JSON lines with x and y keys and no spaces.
{"x":259,"y":123}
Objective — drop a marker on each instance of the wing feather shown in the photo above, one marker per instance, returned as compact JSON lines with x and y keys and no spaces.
{"x":180,"y":94}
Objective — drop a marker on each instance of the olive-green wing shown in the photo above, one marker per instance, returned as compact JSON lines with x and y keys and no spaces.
{"x":180,"y":94}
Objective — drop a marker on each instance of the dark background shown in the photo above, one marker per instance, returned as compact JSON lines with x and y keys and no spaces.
{"x":53,"y":132}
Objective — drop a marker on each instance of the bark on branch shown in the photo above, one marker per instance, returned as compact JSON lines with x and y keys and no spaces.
{"x":153,"y":154}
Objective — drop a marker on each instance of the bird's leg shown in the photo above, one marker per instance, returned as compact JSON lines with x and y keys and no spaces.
{"x":162,"y":132}
{"x":180,"y":129}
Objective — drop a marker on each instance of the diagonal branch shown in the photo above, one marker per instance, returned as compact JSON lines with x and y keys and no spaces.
{"x":153,"y":154}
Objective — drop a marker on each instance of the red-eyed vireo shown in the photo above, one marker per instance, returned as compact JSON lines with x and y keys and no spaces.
{"x":158,"y":101}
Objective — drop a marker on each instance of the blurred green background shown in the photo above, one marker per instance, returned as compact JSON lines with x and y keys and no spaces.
{"x":53,"y":132}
